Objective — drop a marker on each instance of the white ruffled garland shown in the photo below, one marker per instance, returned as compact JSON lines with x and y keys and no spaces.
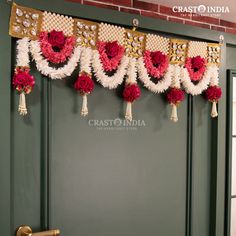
{"x":22,"y":60}
{"x":211,"y":74}
{"x":43,"y":65}
{"x":161,"y":85}
{"x":131,"y":79}
{"x":113,"y":81}
{"x":22,"y":52}
{"x":85,"y":66}
{"x":175,"y":83}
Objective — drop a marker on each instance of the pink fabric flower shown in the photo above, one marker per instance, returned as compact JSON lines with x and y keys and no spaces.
{"x":175,"y":96}
{"x":53,"y":56}
{"x":196,"y":67}
{"x":213,"y":93}
{"x":156,"y":63}
{"x":23,"y":81}
{"x":84,"y":84}
{"x":111,"y":54}
{"x":57,"y":39}
{"x":131,"y":92}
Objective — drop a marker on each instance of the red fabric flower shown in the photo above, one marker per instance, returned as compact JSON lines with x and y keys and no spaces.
{"x":197,"y":63}
{"x":131,"y":92}
{"x":112,"y":49}
{"x":157,"y":58}
{"x":84,"y":84}
{"x":111,"y":54}
{"x":23,"y":81}
{"x":156,"y":63}
{"x":56,"y":39}
{"x":175,"y":96}
{"x":196,"y":67}
{"x":213,"y":93}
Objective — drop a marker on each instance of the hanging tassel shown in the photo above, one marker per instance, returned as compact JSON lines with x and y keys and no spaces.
{"x":22,"y":105}
{"x":84,"y":110}
{"x":174,"y":115}
{"x":128,"y":114}
{"x":214,"y":112}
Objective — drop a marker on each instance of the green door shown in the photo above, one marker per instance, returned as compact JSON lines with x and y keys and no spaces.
{"x":76,"y":174}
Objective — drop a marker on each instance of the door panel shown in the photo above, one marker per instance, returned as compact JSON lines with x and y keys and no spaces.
{"x":117,"y":182}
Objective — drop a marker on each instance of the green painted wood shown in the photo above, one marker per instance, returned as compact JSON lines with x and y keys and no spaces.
{"x":37,"y":164}
{"x":5,"y":122}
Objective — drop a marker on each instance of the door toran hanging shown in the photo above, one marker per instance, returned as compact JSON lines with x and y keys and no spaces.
{"x":59,"y":44}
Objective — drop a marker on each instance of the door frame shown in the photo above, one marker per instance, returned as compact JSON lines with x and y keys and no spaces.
{"x":230,"y":75}
{"x":218,"y":149}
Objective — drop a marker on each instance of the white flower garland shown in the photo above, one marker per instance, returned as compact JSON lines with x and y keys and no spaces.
{"x":159,"y":87}
{"x":86,"y":60}
{"x":210,"y":76}
{"x":43,"y":65}
{"x":85,"y":66}
{"x":22,"y":52}
{"x":131,"y":79}
{"x":22,"y":60}
{"x":113,"y":81}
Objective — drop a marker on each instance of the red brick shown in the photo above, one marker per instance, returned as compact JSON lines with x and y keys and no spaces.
{"x":168,"y":11}
{"x":102,"y":5}
{"x":174,"y":19}
{"x":153,"y":15}
{"x":127,"y":3}
{"x":227,"y":23}
{"x":206,"y":19}
{"x":145,"y":5}
{"x":218,"y":28}
{"x":77,"y":1}
{"x":202,"y":25}
{"x":130,"y":10}
{"x":230,"y":30}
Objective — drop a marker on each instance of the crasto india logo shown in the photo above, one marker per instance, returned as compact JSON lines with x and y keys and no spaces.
{"x":116,"y":124}
{"x":201,"y":9}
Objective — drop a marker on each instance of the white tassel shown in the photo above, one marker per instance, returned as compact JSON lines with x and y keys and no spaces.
{"x":214,"y":112}
{"x":128,"y":114}
{"x":84,"y":110}
{"x":22,"y":105}
{"x":174,"y":116}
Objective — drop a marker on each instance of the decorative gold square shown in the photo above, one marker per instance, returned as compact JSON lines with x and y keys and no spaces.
{"x":213,"y":53}
{"x":86,"y":33}
{"x":134,"y":43}
{"x":178,"y":51}
{"x":25,"y":22}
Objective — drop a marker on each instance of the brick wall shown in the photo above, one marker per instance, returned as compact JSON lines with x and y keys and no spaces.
{"x":162,"y":12}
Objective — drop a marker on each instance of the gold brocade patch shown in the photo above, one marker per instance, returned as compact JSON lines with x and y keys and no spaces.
{"x":25,"y":22}
{"x":86,"y":33}
{"x":178,"y":51}
{"x":134,"y":43}
{"x":213,"y":53}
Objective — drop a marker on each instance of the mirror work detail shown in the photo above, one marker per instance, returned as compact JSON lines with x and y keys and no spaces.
{"x":59,"y":44}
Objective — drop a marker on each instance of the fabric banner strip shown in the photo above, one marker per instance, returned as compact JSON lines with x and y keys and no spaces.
{"x":28,"y":22}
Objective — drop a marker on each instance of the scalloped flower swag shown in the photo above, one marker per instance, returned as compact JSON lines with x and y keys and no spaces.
{"x":111,"y":54}
{"x":196,"y":67}
{"x":156,"y":63}
{"x":54,"y":56}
